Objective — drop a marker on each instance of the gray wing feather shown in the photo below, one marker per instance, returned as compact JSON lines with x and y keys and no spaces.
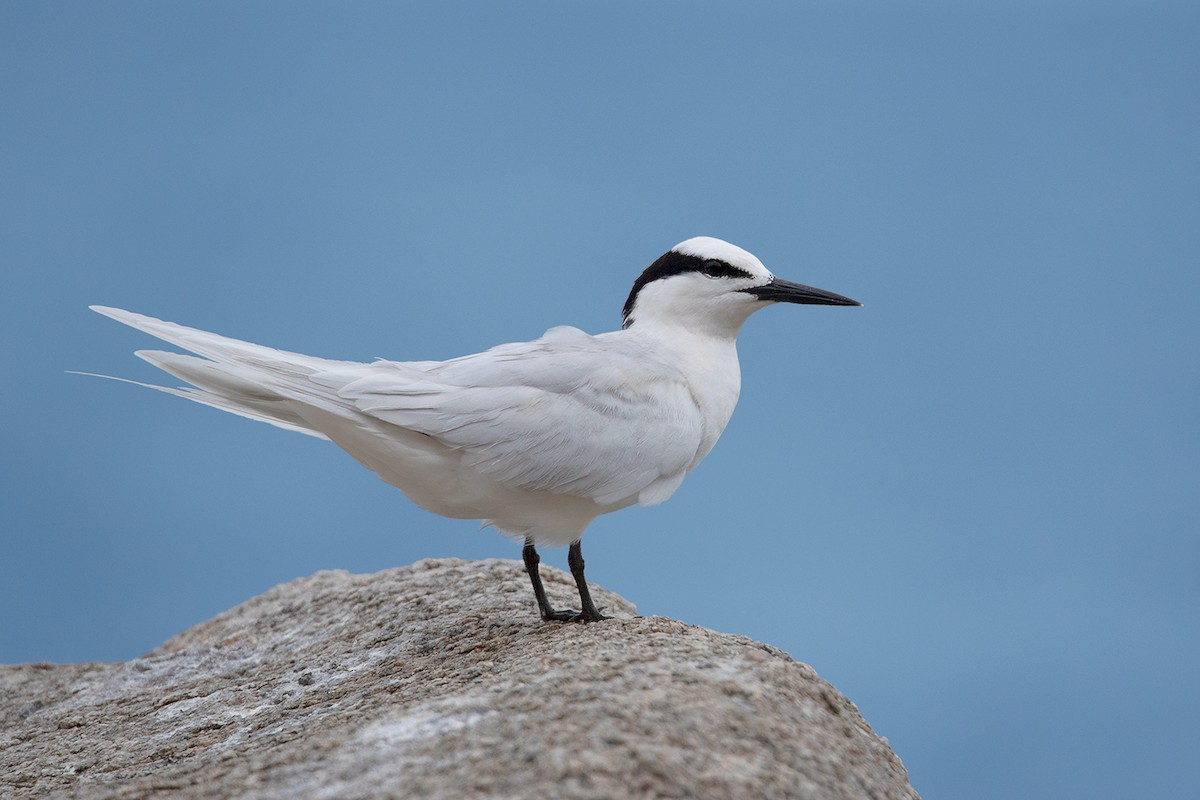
{"x":559,"y":414}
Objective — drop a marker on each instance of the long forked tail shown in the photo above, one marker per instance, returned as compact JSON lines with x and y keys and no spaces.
{"x":246,"y":379}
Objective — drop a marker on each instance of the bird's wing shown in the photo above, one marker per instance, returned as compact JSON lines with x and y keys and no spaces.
{"x":567,"y":413}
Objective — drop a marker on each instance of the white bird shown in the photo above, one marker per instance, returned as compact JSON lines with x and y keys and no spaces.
{"x":535,"y":438}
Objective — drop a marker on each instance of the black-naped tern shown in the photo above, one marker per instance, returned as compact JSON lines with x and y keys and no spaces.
{"x":537,"y":438}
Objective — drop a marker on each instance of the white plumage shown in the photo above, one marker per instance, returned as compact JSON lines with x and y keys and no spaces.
{"x":537,"y":438}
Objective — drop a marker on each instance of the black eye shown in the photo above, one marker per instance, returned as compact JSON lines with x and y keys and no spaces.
{"x":713,"y":268}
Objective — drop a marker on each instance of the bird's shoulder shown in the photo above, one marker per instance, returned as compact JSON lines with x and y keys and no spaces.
{"x":563,"y":359}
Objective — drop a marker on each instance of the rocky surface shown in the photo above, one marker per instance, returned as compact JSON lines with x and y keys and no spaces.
{"x":437,"y":680}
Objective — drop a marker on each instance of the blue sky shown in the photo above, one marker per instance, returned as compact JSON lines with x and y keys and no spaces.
{"x":970,"y":504}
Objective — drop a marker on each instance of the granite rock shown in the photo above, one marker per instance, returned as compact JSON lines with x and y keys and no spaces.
{"x":437,"y":680}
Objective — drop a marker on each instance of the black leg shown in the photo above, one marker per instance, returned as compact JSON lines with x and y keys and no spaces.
{"x":575,"y":561}
{"x":530,"y":556}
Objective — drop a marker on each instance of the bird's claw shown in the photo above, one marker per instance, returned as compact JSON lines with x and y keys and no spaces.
{"x":591,"y":615}
{"x":570,"y":615}
{"x":562,"y":615}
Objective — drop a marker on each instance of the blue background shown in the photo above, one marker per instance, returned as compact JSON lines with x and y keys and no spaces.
{"x":971,"y":504}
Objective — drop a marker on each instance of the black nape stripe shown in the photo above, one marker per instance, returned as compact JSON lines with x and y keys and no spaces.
{"x":673,"y":263}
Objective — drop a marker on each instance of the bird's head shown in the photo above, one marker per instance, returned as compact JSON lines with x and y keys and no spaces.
{"x":711,"y":286}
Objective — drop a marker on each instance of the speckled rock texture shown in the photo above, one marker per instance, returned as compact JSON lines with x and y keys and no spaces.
{"x":437,"y":680}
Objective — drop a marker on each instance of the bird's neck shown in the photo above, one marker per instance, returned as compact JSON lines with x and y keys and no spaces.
{"x":708,"y":362}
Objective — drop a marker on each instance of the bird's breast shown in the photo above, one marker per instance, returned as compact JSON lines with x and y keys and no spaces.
{"x":714,"y":379}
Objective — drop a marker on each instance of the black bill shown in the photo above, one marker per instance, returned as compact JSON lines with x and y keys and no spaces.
{"x":781,"y":291}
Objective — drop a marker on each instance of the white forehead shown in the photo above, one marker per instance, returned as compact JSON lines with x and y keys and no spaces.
{"x":709,"y":247}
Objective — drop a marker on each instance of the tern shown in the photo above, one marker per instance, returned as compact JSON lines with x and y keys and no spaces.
{"x":535,"y":438}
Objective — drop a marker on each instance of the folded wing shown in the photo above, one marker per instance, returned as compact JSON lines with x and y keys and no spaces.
{"x":567,"y":413}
